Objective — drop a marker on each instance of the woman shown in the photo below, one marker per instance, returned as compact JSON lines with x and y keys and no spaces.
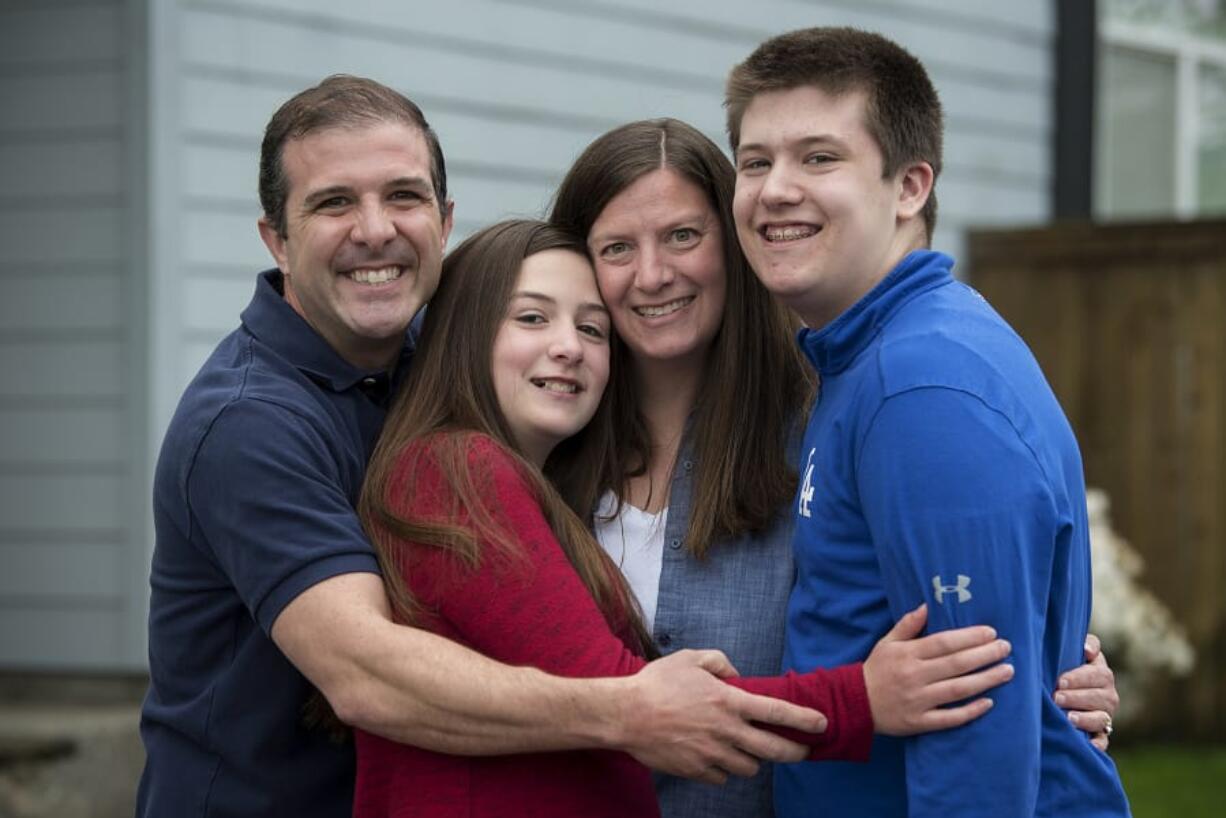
{"x":691,"y":505}
{"x":476,"y":544}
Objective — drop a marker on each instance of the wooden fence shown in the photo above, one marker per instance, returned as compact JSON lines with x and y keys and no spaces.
{"x":1129,"y":324}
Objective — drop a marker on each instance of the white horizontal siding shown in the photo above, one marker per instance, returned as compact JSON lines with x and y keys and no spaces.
{"x":82,"y":573}
{"x":213,"y":303}
{"x":65,"y":437}
{"x":59,"y":636}
{"x":69,"y":170}
{"x":66,"y":538}
{"x":48,"y":35}
{"x":60,"y":105}
{"x":61,"y":299}
{"x":61,"y":233}
{"x":62,"y":372}
{"x":60,"y":502}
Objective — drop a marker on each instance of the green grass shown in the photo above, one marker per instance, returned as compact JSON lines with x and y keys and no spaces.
{"x":1176,"y":781}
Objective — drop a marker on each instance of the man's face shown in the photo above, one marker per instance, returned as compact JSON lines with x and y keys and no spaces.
{"x":364,"y":236}
{"x":817,"y":221}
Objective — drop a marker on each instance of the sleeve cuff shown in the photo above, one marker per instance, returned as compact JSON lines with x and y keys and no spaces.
{"x":308,"y":576}
{"x":850,"y":733}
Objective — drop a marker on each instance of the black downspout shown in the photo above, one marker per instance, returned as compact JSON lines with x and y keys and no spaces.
{"x":1076,"y":47}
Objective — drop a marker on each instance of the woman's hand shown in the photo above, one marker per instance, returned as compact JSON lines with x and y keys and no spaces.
{"x":908,"y":679}
{"x":1088,"y":694}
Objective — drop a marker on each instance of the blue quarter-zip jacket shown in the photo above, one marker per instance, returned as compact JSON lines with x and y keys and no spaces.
{"x":938,"y":467}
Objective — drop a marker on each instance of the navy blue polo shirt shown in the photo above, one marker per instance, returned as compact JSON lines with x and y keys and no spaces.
{"x":253,"y":499}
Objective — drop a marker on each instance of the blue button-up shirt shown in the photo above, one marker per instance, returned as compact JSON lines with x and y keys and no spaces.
{"x":735,"y":599}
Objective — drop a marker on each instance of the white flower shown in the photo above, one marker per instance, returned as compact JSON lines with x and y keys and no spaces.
{"x":1138,"y":633}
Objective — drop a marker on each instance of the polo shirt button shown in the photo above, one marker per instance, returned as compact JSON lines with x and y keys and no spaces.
{"x":664,"y":640}
{"x":688,"y":465}
{"x":674,"y":543}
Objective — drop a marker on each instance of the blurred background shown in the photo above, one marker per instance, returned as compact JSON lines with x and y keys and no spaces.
{"x":1084,"y":192}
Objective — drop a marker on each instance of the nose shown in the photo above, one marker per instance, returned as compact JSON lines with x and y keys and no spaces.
{"x":372,"y":226}
{"x":654,"y":271}
{"x":778,"y":188}
{"x":565,"y":345}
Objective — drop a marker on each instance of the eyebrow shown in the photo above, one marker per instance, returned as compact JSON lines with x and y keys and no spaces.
{"x":400,"y":182}
{"x":549,"y":299}
{"x":803,"y":142}
{"x":411,"y":181}
{"x":696,"y":215}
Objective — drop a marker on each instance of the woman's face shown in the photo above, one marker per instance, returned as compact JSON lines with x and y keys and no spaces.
{"x":659,"y":259}
{"x":550,"y":359}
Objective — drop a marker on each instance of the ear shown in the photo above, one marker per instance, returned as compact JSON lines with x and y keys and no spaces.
{"x":275,"y":243}
{"x":915,"y":186}
{"x":448,"y":220}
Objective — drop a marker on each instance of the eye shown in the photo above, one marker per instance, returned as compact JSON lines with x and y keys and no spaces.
{"x":332,"y":203}
{"x":751,"y":164}
{"x":530,"y":319}
{"x":819,"y":159}
{"x":684,"y":235}
{"x":594,"y":330}
{"x":411,"y":196}
{"x":615,"y":249}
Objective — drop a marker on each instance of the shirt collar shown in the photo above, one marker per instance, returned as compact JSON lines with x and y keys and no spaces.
{"x":832,"y":348}
{"x":271,"y":319}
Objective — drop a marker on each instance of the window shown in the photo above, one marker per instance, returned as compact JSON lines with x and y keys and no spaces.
{"x":1161,"y":135}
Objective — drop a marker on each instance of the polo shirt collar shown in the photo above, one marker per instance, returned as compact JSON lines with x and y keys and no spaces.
{"x":271,"y":319}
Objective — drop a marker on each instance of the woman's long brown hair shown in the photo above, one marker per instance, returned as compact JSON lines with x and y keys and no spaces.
{"x":447,"y":398}
{"x":756,"y":386}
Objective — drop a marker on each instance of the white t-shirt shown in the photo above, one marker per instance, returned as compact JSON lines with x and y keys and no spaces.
{"x":634,"y":539}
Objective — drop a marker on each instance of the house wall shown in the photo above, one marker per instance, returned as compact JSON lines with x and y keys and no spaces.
{"x":70,"y":538}
{"x":515,"y":89}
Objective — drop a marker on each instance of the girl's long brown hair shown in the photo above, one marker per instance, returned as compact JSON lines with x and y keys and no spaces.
{"x":756,"y":385}
{"x":447,"y":398}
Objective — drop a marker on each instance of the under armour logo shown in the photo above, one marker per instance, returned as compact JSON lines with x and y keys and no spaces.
{"x":964,"y":583}
{"x":806,"y":491}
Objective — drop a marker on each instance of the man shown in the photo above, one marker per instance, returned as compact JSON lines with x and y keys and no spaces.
{"x":263,"y":583}
{"x":937,"y":465}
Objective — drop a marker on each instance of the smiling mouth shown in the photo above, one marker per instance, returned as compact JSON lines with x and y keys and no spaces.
{"x":377,"y":275}
{"x":561,"y":387}
{"x":655,"y":311}
{"x":788,"y":232}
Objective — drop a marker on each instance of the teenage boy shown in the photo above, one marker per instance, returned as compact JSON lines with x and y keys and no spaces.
{"x":937,"y":465}
{"x":262,"y":581}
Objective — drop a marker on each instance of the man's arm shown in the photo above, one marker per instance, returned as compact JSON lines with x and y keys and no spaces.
{"x":419,"y":688}
{"x":962,"y":517}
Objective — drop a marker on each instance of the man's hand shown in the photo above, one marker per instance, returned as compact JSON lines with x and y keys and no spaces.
{"x":909,"y":679}
{"x":681,"y":719}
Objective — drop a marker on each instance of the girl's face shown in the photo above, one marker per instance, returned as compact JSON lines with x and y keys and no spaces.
{"x":659,"y":259}
{"x":550,"y":359}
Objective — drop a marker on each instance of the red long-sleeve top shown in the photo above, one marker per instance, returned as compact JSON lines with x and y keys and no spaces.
{"x":537,"y":612}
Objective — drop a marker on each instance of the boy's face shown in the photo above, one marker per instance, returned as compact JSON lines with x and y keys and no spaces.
{"x":817,"y":221}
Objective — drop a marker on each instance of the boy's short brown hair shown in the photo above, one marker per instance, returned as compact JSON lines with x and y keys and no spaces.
{"x":903,"y":112}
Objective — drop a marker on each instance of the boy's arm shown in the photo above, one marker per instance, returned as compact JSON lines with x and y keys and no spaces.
{"x":962,"y":518}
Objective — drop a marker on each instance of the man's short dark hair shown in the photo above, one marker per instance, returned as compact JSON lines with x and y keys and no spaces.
{"x":340,"y":100}
{"x":903,"y":112}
